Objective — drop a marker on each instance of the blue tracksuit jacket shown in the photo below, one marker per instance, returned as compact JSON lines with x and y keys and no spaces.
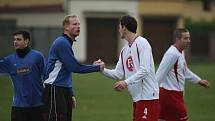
{"x":61,"y":62}
{"x":26,"y":75}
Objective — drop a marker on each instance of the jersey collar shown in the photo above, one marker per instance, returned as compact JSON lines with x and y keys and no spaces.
{"x":68,"y":38}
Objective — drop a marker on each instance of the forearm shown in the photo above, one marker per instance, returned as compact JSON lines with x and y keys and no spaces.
{"x":138,"y":76}
{"x":190,"y":76}
{"x":113,"y":74}
{"x":87,"y":68}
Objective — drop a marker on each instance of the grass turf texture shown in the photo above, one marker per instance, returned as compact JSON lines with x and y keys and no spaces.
{"x":97,"y":101}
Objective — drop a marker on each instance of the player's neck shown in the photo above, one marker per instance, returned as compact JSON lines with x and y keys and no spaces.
{"x":178,"y":47}
{"x":22,"y":52}
{"x":131,"y":38}
{"x":71,"y":37}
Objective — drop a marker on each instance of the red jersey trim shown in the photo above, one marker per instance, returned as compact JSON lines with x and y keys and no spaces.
{"x":122,"y":63}
{"x":175,"y":70}
{"x":138,"y":54}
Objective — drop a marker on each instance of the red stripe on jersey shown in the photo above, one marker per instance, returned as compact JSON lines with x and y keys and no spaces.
{"x":175,"y":70}
{"x":122,"y":63}
{"x":138,"y":54}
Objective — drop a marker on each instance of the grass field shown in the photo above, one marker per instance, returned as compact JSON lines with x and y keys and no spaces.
{"x":97,"y":101}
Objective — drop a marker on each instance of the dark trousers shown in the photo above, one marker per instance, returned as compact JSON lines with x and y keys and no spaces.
{"x":57,"y":103}
{"x":27,"y":114}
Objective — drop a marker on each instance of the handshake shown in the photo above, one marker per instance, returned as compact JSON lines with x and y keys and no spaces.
{"x":100,"y":63}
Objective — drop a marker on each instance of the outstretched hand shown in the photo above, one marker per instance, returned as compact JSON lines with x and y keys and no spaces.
{"x":204,"y":83}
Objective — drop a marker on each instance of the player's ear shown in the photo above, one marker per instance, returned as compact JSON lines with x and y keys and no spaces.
{"x":177,"y":39}
{"x":124,"y":27}
{"x":66,"y":27}
{"x":27,"y":41}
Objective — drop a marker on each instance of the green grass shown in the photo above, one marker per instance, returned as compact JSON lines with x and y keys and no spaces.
{"x":201,"y":101}
{"x":97,"y":101}
{"x":5,"y":98}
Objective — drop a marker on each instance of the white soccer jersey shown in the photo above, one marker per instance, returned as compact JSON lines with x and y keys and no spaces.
{"x":136,"y":65}
{"x":173,"y":71}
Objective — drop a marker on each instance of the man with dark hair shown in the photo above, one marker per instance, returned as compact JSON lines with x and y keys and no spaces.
{"x":171,"y":75}
{"x":58,"y":94}
{"x":26,"y":68}
{"x":129,"y":22}
{"x":135,"y":70}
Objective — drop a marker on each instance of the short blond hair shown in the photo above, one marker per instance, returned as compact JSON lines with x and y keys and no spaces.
{"x":66,"y":19}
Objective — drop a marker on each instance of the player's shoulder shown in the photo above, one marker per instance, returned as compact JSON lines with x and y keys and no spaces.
{"x":61,"y":41}
{"x":173,"y":51}
{"x":141,"y":39}
{"x":7,"y":57}
{"x":58,"y":44}
{"x":10,"y":56}
{"x":36,"y":52}
{"x":142,"y":43}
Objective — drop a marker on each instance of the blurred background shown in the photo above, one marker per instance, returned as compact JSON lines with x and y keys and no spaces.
{"x":99,"y":38}
{"x":99,"y":35}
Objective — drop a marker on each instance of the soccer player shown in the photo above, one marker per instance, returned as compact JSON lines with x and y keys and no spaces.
{"x":26,"y":68}
{"x":136,"y":66}
{"x":171,"y":74}
{"x":61,"y":63}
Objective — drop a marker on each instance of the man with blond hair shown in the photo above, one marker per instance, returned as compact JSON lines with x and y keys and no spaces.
{"x":58,"y":95}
